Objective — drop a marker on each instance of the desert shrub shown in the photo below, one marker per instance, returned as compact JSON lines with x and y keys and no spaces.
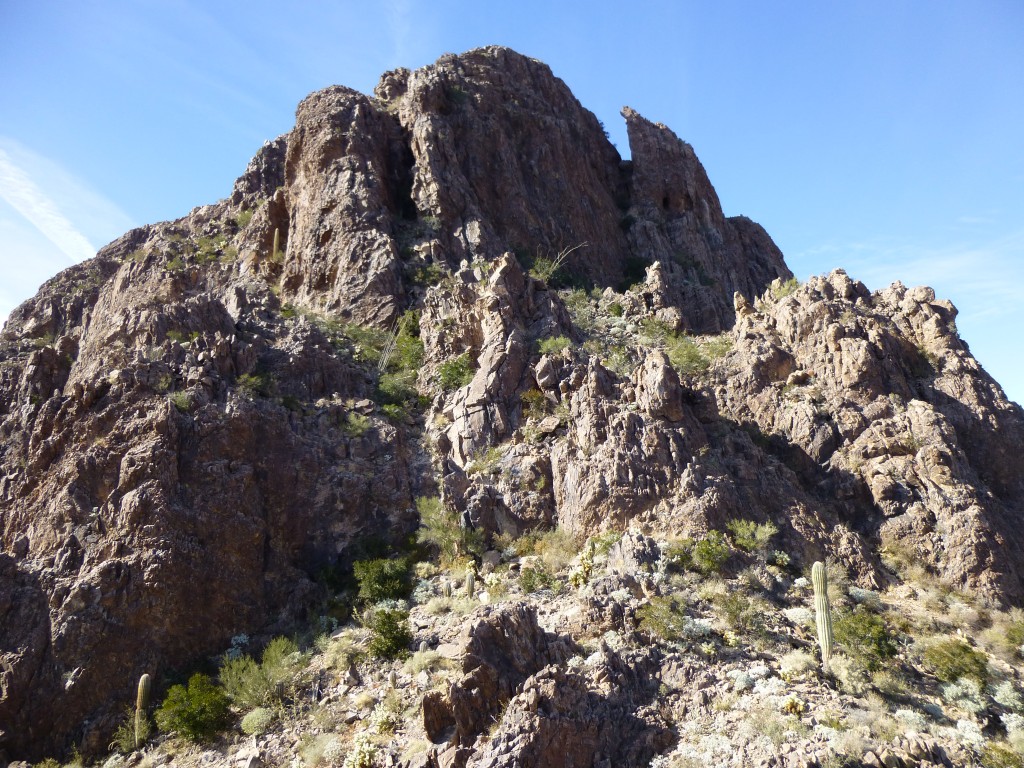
{"x":581,"y":309}
{"x":485,"y":461}
{"x":356,"y":424}
{"x":718,"y":346}
{"x":751,"y":536}
{"x":850,"y":674}
{"x":124,"y":740}
{"x":865,"y":637}
{"x":389,"y":633}
{"x":255,"y":684}
{"x":534,"y":579}
{"x":197,"y":712}
{"x":707,"y":556}
{"x":535,"y":405}
{"x":556,"y":548}
{"x":797,"y":663}
{"x":256,"y":384}
{"x":550,"y":268}
{"x":740,"y":612}
{"x":456,"y":372}
{"x":710,"y":554}
{"x":953,"y":659}
{"x":965,"y":694}
{"x":181,"y":400}
{"x":663,"y":617}
{"x":996,"y":755}
{"x":383,"y":579}
{"x":367,"y":342}
{"x":781,"y":289}
{"x":441,"y":529}
{"x":258,"y":721}
{"x":1007,"y":695}
{"x":685,"y":356}
{"x":553,"y":345}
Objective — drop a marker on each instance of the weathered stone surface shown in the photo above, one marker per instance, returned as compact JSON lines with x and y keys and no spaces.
{"x":677,"y":221}
{"x":184,"y":408}
{"x":502,"y":649}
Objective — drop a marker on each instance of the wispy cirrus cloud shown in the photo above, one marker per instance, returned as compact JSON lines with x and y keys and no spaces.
{"x":48,"y":220}
{"x":25,"y":197}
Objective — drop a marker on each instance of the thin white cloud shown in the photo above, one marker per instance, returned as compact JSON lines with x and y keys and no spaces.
{"x":48,"y":218}
{"x":24,"y":196}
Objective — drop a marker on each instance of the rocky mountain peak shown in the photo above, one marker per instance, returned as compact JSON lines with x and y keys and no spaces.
{"x":455,"y":294}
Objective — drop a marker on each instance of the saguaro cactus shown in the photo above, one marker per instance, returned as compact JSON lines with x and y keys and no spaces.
{"x":141,"y":703}
{"x":822,"y":612}
{"x":470,"y":582}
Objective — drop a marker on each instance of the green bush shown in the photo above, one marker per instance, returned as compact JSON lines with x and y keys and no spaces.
{"x":996,"y":755}
{"x":865,"y":637}
{"x":441,"y":529}
{"x":457,"y":372}
{"x":553,"y":345}
{"x":390,"y":633}
{"x":741,"y":613}
{"x":751,"y":536}
{"x":258,"y":721}
{"x":182,"y":401}
{"x":710,"y":554}
{"x":124,"y":737}
{"x":953,"y":659}
{"x":382,"y":579}
{"x":535,"y":405}
{"x":534,"y":579}
{"x":781,"y":289}
{"x":686,"y":357}
{"x":663,"y":617}
{"x":255,"y":684}
{"x":197,"y":712}
{"x":356,"y":424}
{"x":257,"y":384}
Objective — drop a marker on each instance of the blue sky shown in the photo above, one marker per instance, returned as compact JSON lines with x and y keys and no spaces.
{"x":884,"y":138}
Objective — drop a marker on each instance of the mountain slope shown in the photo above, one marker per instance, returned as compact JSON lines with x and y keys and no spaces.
{"x":203,"y":426}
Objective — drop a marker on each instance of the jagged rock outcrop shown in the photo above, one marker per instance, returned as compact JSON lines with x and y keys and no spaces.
{"x":198,"y":421}
{"x":677,"y":221}
{"x":880,"y":388}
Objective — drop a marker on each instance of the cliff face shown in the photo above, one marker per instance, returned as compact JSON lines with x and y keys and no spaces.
{"x":192,"y":423}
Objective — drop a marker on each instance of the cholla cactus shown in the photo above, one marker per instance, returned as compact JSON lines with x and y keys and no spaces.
{"x":822,"y":612}
{"x":141,"y":703}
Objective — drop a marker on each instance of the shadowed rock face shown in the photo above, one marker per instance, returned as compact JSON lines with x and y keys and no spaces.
{"x":187,"y":436}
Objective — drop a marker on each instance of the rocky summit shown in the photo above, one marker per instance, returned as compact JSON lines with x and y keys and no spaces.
{"x":446,"y":376}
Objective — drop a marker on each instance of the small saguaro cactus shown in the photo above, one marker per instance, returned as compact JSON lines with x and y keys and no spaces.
{"x":141,"y":704}
{"x":446,"y":588}
{"x":822,"y":612}
{"x":470,"y":582}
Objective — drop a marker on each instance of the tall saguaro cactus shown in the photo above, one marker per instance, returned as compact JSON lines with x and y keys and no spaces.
{"x":277,"y":245}
{"x":141,"y":703}
{"x":822,"y":612}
